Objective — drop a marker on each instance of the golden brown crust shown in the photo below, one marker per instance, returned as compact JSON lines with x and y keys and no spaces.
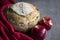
{"x":23,"y":23}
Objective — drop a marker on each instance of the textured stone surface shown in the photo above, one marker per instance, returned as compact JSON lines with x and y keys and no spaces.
{"x":52,"y":9}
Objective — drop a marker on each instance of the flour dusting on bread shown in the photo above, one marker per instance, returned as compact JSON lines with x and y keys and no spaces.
{"x":22,"y":8}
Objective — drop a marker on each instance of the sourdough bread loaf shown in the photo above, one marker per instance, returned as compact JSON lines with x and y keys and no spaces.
{"x":22,"y":15}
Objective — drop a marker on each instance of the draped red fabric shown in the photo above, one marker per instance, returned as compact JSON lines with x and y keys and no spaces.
{"x":7,"y":31}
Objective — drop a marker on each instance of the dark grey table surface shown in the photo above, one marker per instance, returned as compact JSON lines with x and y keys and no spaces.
{"x":49,"y":8}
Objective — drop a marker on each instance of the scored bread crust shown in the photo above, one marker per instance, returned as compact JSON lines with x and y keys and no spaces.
{"x":22,"y":8}
{"x":23,"y":23}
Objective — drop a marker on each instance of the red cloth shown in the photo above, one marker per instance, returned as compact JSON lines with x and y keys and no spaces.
{"x":7,"y":31}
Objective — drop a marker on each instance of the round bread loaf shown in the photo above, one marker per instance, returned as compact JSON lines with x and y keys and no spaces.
{"x":22,"y":15}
